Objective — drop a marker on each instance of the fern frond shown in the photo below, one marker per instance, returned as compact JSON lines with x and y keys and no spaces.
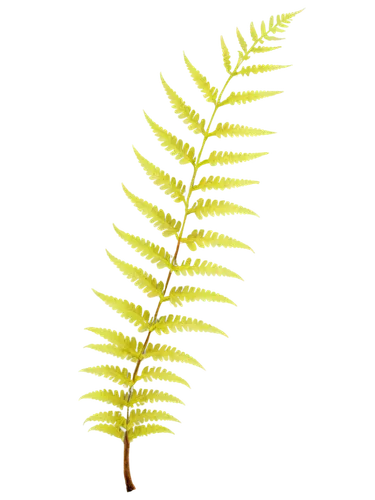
{"x":225,"y":53}
{"x":139,"y":416}
{"x":164,"y":223}
{"x":114,"y":373}
{"x":204,"y":268}
{"x":143,"y":396}
{"x":222,"y":183}
{"x":210,"y":93}
{"x":110,"y":397}
{"x":189,"y":116}
{"x":146,"y":430}
{"x":168,"y":353}
{"x":163,"y":180}
{"x":152,"y":252}
{"x":238,"y":131}
{"x":259,"y":68}
{"x":248,"y":96}
{"x":192,"y":294}
{"x":109,"y":417}
{"x":133,"y":423}
{"x":150,"y":374}
{"x":204,"y":208}
{"x":128,"y":310}
{"x":211,"y":239}
{"x":140,"y":278}
{"x":166,"y":324}
{"x":183,"y":152}
{"x":223,"y":158}
{"x":109,"y":429}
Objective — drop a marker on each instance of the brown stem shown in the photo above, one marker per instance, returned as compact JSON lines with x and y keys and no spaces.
{"x":126,"y":469}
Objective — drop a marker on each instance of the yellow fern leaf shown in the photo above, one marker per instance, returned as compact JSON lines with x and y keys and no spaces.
{"x":210,"y":93}
{"x":163,"y":180}
{"x":109,"y":417}
{"x":166,"y":324}
{"x":204,"y":208}
{"x":149,"y":374}
{"x":110,"y":397}
{"x":225,"y":53}
{"x":223,"y":158}
{"x":143,"y":396}
{"x":183,"y":152}
{"x":144,"y":281}
{"x":253,"y":33}
{"x":139,"y":416}
{"x":222,"y":183}
{"x":260,"y":68}
{"x":116,"y":338}
{"x":168,"y":353}
{"x":204,"y":268}
{"x":109,"y":429}
{"x":189,"y":116}
{"x":243,"y":52}
{"x":164,"y":223}
{"x":267,"y":48}
{"x":114,"y":373}
{"x":146,"y":430}
{"x":192,"y":294}
{"x":114,"y":343}
{"x":109,"y":351}
{"x":262,"y":28}
{"x":249,"y":96}
{"x":128,"y":310}
{"x":237,"y":131}
{"x":211,"y":239}
{"x":152,"y":252}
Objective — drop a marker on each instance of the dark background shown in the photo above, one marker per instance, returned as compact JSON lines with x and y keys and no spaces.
{"x":246,"y":432}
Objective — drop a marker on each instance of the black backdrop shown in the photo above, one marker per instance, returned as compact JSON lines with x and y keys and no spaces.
{"x":245,"y":433}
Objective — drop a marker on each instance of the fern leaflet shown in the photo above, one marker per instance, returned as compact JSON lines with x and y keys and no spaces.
{"x":223,"y":158}
{"x":238,"y":131}
{"x":166,"y":324}
{"x":191,"y":294}
{"x":150,"y":374}
{"x":204,"y":208}
{"x":249,"y":96}
{"x":210,"y":93}
{"x":222,"y":183}
{"x":211,"y":239}
{"x":226,"y":56}
{"x":109,"y":417}
{"x":167,"y":353}
{"x":139,"y":416}
{"x":114,"y":373}
{"x":146,"y":430}
{"x":204,"y":269}
{"x":260,"y":68}
{"x":144,"y":396}
{"x":110,"y":397}
{"x":109,"y":429}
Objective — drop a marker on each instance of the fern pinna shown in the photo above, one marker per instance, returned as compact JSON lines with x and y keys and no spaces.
{"x":134,"y":423}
